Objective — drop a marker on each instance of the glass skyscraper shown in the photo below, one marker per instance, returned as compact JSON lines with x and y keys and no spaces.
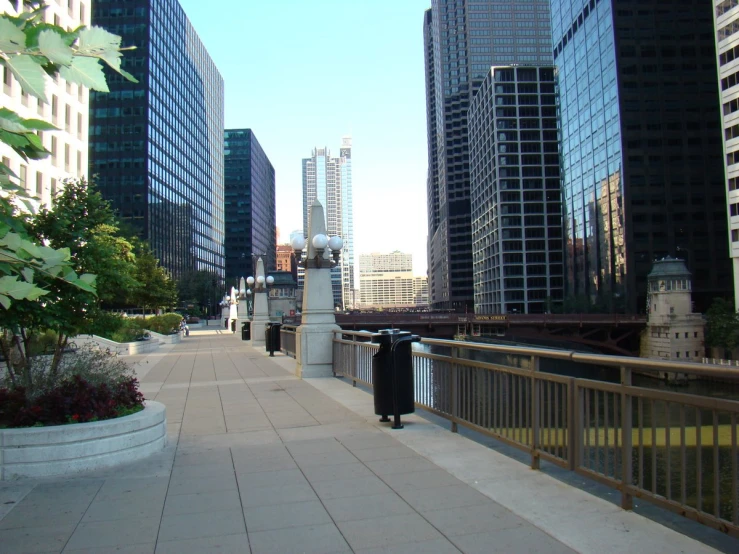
{"x":156,"y":147}
{"x":330,"y":181}
{"x":462,"y":40}
{"x":641,"y":148}
{"x":251,"y":220}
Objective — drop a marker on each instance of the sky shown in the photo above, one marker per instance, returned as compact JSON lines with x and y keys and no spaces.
{"x":302,"y":74}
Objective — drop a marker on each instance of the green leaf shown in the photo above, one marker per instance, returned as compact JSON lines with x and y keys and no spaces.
{"x":11,"y":121}
{"x":13,"y":139}
{"x":12,"y":39}
{"x":95,"y":40}
{"x":11,"y":286}
{"x":29,"y":74}
{"x":87,"y":72}
{"x":11,"y":240}
{"x":128,"y":76}
{"x":52,"y":45}
{"x":27,"y":273}
{"x":5,"y":301}
{"x":39,"y":125}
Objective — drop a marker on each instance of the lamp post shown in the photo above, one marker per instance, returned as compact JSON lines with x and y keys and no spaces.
{"x":314,"y":340}
{"x":257,"y":294}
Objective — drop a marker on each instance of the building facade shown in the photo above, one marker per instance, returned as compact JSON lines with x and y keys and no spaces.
{"x":156,"y":146}
{"x":462,"y":39}
{"x":250,"y":209}
{"x":726,"y":24}
{"x":67,"y":108}
{"x":515,"y":193}
{"x":330,"y":181}
{"x":386,"y":280}
{"x":421,"y":292}
{"x":641,"y":148}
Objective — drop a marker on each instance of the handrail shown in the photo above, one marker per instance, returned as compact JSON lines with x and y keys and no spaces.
{"x":673,"y":449}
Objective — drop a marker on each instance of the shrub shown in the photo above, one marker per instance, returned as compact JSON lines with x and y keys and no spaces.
{"x":75,"y":400}
{"x":163,"y":324}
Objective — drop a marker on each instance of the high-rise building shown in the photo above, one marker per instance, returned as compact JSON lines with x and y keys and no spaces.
{"x":386,"y":280}
{"x":640,"y":147}
{"x":462,"y":39}
{"x":284,"y":259}
{"x":330,"y":181}
{"x":67,"y":108}
{"x":726,"y":22}
{"x":156,"y":146}
{"x":421,"y":292}
{"x":515,"y":192}
{"x":250,"y":209}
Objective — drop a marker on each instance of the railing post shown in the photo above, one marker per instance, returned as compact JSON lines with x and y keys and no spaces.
{"x":574,"y":436}
{"x":627,"y":500}
{"x":535,"y":413}
{"x":354,"y":355}
{"x":454,"y":390}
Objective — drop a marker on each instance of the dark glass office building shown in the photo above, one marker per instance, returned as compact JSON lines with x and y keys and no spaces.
{"x":156,"y":147}
{"x":515,"y":193}
{"x":641,"y":148}
{"x":463,"y":39}
{"x":251,"y":220}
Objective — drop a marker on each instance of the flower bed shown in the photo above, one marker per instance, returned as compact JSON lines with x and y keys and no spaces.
{"x":64,"y":449}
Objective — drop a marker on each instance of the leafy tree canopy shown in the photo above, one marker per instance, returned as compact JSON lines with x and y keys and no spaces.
{"x":722,"y":324}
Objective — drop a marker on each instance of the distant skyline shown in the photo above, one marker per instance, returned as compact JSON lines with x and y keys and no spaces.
{"x":303,"y":75}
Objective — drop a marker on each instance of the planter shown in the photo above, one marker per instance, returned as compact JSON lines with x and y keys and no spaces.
{"x":64,"y":449}
{"x":127,"y":348}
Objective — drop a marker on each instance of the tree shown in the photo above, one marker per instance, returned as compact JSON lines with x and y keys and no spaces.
{"x":198,"y":287}
{"x":32,"y":50}
{"x":722,"y":325}
{"x":156,"y":289}
{"x":81,"y":222}
{"x":30,"y":270}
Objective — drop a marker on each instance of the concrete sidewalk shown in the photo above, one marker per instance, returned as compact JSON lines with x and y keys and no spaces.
{"x":262,"y":462}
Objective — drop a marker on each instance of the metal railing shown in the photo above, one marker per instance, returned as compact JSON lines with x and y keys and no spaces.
{"x":287,"y":340}
{"x":676,"y":450}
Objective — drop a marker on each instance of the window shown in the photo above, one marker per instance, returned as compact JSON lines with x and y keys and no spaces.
{"x":39,"y":183}
{"x":66,"y":157}
{"x":23,"y":175}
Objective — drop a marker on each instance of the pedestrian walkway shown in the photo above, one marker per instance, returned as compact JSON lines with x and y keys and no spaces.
{"x":260,"y":461}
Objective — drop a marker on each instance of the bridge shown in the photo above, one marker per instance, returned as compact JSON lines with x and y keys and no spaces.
{"x":605,"y":333}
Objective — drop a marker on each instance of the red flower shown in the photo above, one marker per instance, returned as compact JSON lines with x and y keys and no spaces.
{"x":75,"y":417}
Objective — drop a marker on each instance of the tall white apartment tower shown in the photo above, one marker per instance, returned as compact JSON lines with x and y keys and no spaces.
{"x":67,"y":109}
{"x":726,"y":24}
{"x":330,"y":181}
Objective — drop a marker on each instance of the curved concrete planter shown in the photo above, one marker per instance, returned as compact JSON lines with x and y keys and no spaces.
{"x":63,"y":449}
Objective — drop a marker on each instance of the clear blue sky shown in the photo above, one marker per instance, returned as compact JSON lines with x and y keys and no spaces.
{"x":303,"y":74}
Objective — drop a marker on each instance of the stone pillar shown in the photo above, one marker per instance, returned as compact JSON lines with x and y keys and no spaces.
{"x":233,"y":310}
{"x":314,"y":340}
{"x":242,"y":310}
{"x":261,"y":307}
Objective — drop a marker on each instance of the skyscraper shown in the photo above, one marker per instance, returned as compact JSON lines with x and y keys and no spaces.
{"x":330,"y":181}
{"x":726,"y":21}
{"x":641,"y":148}
{"x":515,"y":192}
{"x":250,"y":209}
{"x":156,"y":147}
{"x":462,"y":39}
{"x":67,"y":108}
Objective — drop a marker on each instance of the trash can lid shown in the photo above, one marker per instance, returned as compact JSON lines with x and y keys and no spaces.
{"x":388,"y":336}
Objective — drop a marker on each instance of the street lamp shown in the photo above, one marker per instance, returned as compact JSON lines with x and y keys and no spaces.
{"x":320,"y":242}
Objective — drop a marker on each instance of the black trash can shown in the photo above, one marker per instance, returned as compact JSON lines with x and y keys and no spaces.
{"x":267,"y":336}
{"x":225,"y":323}
{"x":233,"y":325}
{"x":392,"y":374}
{"x":274,"y":340}
{"x":246,"y":331}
